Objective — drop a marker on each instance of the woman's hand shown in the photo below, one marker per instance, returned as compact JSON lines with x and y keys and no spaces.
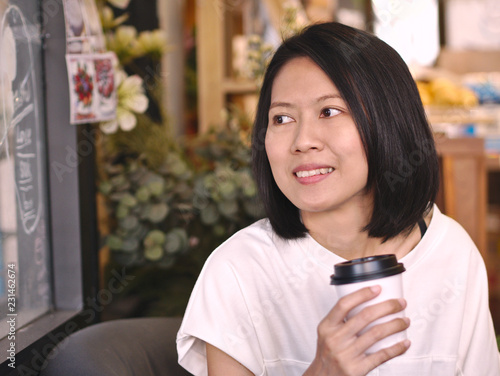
{"x":341,"y":351}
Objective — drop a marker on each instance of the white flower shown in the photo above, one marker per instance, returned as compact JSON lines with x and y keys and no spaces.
{"x":252,"y":54}
{"x":121,"y":4}
{"x":125,"y":35}
{"x":152,"y":42}
{"x":108,"y":19}
{"x":254,"y":39}
{"x":131,"y":101}
{"x":131,"y":95}
{"x":123,"y":42}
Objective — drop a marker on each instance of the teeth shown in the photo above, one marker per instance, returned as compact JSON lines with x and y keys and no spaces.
{"x":305,"y":174}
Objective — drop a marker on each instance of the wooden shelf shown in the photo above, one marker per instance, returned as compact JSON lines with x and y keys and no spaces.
{"x":239,"y":86}
{"x":493,"y":162}
{"x":217,"y":23}
{"x":462,"y":115}
{"x":463,"y":190}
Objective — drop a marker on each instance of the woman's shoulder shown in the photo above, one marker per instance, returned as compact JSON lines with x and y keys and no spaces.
{"x":258,"y":234}
{"x":254,"y":242}
{"x":449,"y":229}
{"x":447,"y":239}
{"x":249,"y":260}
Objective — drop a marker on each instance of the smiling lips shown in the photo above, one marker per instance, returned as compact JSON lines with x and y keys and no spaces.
{"x":318,"y":171}
{"x":311,"y":176}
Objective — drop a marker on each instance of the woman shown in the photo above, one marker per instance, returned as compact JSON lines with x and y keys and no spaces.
{"x":346,"y":167}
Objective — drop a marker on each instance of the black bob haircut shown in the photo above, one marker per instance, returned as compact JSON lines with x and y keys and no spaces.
{"x":382,"y":97}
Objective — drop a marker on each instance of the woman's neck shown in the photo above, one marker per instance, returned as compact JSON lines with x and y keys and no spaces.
{"x":341,"y":233}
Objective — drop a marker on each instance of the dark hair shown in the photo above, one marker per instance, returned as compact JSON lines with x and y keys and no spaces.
{"x":384,"y":102}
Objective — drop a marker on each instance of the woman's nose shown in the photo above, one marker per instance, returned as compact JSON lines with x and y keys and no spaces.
{"x":307,"y":138}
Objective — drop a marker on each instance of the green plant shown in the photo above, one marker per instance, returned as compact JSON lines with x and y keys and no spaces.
{"x":189,"y":200}
{"x":225,"y":194}
{"x":169,"y":202}
{"x":151,"y":210}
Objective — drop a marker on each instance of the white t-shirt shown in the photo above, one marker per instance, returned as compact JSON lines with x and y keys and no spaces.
{"x":260,"y":299}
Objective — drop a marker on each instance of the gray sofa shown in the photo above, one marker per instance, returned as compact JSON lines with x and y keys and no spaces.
{"x":125,"y":347}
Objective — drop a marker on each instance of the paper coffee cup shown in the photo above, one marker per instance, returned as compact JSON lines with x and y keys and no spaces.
{"x":382,"y":270}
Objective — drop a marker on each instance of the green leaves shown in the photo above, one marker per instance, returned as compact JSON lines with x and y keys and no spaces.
{"x":114,"y":242}
{"x":128,"y":200}
{"x":191,"y":202}
{"x":176,"y":241}
{"x":129,"y":223}
{"x":209,"y":215}
{"x":154,"y":237}
{"x":157,"y":212}
{"x":153,"y":243}
{"x":154,"y":253}
{"x":146,"y":209}
{"x":143,"y":194}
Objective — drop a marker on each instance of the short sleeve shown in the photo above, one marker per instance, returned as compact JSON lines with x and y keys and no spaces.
{"x":218,"y":313}
{"x":478,"y":347}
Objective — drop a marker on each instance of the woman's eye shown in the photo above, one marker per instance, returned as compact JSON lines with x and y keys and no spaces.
{"x":329,"y":112}
{"x":281,"y":119}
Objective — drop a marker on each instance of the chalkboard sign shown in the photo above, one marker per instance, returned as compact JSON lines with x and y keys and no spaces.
{"x":23,"y":186}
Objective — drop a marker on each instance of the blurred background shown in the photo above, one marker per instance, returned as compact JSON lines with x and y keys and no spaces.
{"x":209,"y":76}
{"x":143,"y":198}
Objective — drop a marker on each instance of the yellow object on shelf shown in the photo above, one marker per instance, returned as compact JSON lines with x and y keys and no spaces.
{"x":444,"y":92}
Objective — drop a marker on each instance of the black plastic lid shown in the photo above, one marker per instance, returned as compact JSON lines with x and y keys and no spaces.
{"x":365,"y":269}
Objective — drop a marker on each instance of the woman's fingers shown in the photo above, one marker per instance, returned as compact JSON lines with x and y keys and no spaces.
{"x":342,"y":348}
{"x":383,"y":355}
{"x":378,"y":332}
{"x":373,"y":312}
{"x":350,"y":301}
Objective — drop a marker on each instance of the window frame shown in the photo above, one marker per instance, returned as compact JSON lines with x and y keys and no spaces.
{"x":73,"y":233}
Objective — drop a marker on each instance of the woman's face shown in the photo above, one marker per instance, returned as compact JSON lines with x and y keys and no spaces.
{"x":313,"y":146}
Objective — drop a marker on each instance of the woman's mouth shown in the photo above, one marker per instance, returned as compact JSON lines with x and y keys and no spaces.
{"x":309,"y":173}
{"x":312,"y":175}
